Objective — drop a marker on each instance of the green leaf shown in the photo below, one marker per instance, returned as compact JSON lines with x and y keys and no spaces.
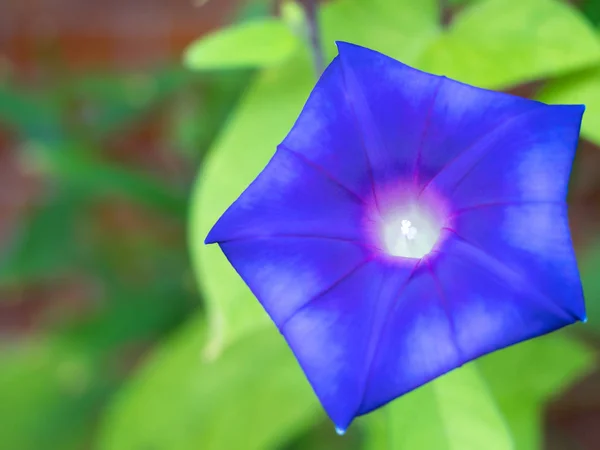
{"x":496,"y":402}
{"x":294,"y":16}
{"x":128,"y":315}
{"x":197,"y":115}
{"x":44,"y":244}
{"x":462,"y":2}
{"x":252,"y":397}
{"x":147,"y":291}
{"x":524,"y":377}
{"x":272,"y":104}
{"x":400,"y":29}
{"x":111,"y":102}
{"x":498,"y":43}
{"x":454,"y":412}
{"x":589,"y":267}
{"x":49,"y":392}
{"x":259,"y":43}
{"x":32,"y":116}
{"x":579,"y":88}
{"x":74,"y":164}
{"x":591,"y":9}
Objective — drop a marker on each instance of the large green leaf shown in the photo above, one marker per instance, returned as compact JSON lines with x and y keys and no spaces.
{"x":258,"y":43}
{"x":584,"y":88}
{"x":271,"y":105}
{"x":498,"y":43}
{"x":523,"y":378}
{"x":49,"y":393}
{"x":252,"y":397}
{"x":400,"y":29}
{"x":494,"y":403}
{"x":454,"y":412}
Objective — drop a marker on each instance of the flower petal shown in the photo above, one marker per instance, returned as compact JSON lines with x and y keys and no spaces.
{"x":527,"y":158}
{"x":379,"y":144}
{"x":460,"y":304}
{"x":493,"y":305}
{"x":415,"y":344}
{"x":532,"y":240}
{"x":393,"y":104}
{"x":335,"y":336}
{"x":463,"y":115}
{"x":291,"y":196}
{"x":326,"y":133}
{"x":285,"y":273}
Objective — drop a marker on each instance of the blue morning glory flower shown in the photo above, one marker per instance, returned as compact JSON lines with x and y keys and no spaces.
{"x":407,"y":224}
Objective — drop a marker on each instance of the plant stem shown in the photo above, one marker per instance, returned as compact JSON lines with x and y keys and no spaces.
{"x":314,"y":34}
{"x":445,"y":13}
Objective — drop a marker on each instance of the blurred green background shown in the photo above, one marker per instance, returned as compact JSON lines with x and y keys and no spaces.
{"x":127,"y":127}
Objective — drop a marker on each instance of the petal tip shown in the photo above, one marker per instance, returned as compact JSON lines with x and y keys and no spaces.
{"x":580,"y":109}
{"x":341,"y":44}
{"x":210,"y":237}
{"x":344,"y":47}
{"x":576,"y":110}
{"x":340,"y":430}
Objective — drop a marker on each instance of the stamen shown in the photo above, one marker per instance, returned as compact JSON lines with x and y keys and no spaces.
{"x":408,"y":233}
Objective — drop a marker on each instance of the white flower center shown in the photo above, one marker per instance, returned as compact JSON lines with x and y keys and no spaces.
{"x":409,"y":234}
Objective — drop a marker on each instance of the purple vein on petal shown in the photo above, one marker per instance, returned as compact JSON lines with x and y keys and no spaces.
{"x":463,"y":154}
{"x":375,"y":340}
{"x":475,"y":255}
{"x":460,"y":211}
{"x":426,"y":127}
{"x":446,"y":308}
{"x":289,"y":235}
{"x":300,"y":236}
{"x":352,"y":107}
{"x":323,"y":172}
{"x":326,"y":290}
